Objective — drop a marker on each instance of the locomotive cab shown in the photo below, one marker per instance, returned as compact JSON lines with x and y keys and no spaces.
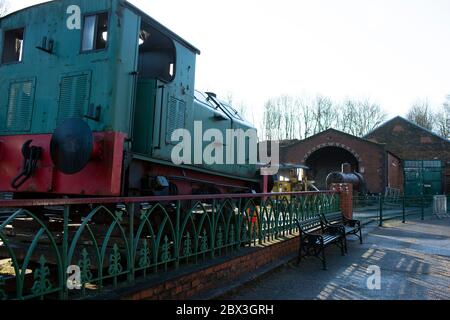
{"x":90,"y":94}
{"x":64,"y":61}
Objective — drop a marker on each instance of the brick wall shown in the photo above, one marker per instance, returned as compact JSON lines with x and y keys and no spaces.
{"x":370,"y":156}
{"x":346,"y":198}
{"x":395,"y":172}
{"x":214,"y":276}
{"x":411,"y":142}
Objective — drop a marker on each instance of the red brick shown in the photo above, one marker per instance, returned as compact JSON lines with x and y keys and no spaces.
{"x":195,"y":282}
{"x":178,"y":289}
{"x":169,"y":285}
{"x":147,"y":293}
{"x":372,"y":156}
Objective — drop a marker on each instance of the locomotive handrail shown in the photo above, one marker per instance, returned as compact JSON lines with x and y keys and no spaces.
{"x":114,"y":200}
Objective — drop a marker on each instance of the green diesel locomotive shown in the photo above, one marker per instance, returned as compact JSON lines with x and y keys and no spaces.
{"x":91,"y":93}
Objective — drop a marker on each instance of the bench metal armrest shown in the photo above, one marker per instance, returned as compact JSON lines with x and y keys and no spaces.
{"x":351,"y":222}
{"x":312,"y":238}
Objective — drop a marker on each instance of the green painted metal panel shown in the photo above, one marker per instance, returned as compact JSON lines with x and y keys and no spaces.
{"x":174,"y":95}
{"x":124,"y":68}
{"x":74,"y":95}
{"x":423,"y":177}
{"x":176,"y":118}
{"x":53,"y":95}
{"x":20,"y":105}
{"x":145,"y":108}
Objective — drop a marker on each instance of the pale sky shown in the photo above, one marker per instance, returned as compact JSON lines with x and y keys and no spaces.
{"x":392,"y":51}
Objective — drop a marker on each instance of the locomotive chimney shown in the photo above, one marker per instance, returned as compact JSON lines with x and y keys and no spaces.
{"x":346,"y":168}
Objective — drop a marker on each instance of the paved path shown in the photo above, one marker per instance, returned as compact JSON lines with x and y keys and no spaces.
{"x":414,"y":259}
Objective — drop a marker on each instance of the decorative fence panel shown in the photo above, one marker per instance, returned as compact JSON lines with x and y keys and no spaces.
{"x":72,"y":249}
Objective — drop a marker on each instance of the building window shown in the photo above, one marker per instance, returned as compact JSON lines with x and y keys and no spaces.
{"x":13,"y":46}
{"x":95,"y":32}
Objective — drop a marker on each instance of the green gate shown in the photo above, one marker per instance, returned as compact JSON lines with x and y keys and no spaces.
{"x":423,"y":177}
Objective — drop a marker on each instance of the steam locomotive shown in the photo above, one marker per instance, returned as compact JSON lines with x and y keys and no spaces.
{"x":90,"y":94}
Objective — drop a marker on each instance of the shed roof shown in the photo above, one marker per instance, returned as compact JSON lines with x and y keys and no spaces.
{"x":401,"y":119}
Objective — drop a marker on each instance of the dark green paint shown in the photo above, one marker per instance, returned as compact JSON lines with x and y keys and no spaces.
{"x":423,"y":177}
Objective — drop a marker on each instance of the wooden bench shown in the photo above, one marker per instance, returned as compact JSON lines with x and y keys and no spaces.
{"x":315,"y":237}
{"x":347,"y":226}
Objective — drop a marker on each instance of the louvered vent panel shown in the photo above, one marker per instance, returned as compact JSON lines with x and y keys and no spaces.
{"x":74,"y":96}
{"x":20,"y":106}
{"x":175,"y":117}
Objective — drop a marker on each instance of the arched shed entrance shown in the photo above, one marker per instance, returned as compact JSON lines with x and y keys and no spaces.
{"x":326,"y":151}
{"x":326,"y":160}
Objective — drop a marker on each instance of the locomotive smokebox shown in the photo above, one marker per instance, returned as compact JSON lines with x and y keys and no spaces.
{"x":347,"y":176}
{"x":72,"y":146}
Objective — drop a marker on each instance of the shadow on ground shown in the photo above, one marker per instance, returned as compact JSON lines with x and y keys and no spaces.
{"x":414,"y":259}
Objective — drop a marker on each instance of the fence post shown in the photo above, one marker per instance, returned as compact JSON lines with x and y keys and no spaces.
{"x":239,"y":225}
{"x":381,"y":210}
{"x":422,"y":209}
{"x":260,"y":219}
{"x":403,"y":209}
{"x":276,"y":216}
{"x":178,"y":236}
{"x":65,"y":245}
{"x":213,"y":227}
{"x":131,"y":209}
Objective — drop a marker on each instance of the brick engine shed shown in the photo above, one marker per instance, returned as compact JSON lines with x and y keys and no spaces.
{"x":412,"y":143}
{"x":380,"y":156}
{"x":325,"y":152}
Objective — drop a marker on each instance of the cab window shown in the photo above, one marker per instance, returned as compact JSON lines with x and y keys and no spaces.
{"x":157,"y":55}
{"x":13,"y":46}
{"x":95,"y":32}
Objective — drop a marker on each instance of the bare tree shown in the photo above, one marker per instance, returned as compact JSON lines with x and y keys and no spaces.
{"x":421,"y":114}
{"x":361,"y":117}
{"x":281,"y":118}
{"x":324,"y":114}
{"x":240,"y":107}
{"x":269,"y":120}
{"x":286,"y":117}
{"x":346,"y":115}
{"x":3,"y":8}
{"x":306,"y":117}
{"x":229,"y":99}
{"x":290,"y":115}
{"x":443,"y":120}
{"x":242,"y":110}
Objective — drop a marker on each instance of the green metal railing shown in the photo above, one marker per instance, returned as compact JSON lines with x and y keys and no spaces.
{"x":380,"y":208}
{"x":116,"y":242}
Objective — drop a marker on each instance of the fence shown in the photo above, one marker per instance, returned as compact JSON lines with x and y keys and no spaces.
{"x":106,"y":243}
{"x":381,"y":208}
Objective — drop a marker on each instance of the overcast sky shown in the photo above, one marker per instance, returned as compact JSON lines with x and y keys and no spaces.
{"x":392,"y":51}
